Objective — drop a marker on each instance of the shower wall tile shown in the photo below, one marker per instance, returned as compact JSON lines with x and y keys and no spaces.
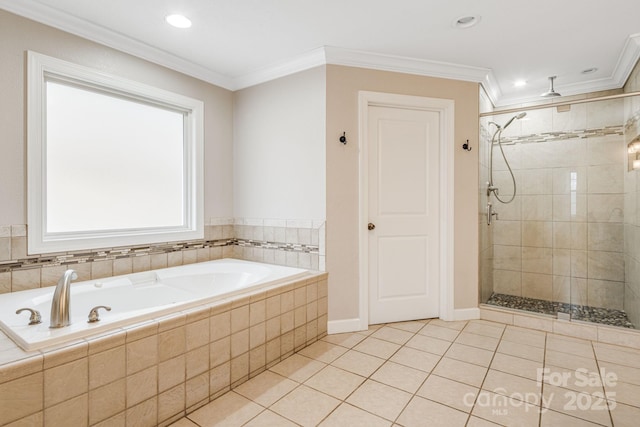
{"x":601,"y":293}
{"x":562,"y":235}
{"x":537,"y":121}
{"x":605,"y":113}
{"x":561,"y":262}
{"x":605,"y":179}
{"x":538,"y":286}
{"x":570,"y":179}
{"x":561,"y":289}
{"x":507,"y":282}
{"x":605,"y":208}
{"x":579,"y":264}
{"x":606,"y":150}
{"x":537,"y":234}
{"x":605,"y":237}
{"x":507,"y":257}
{"x":579,"y":235}
{"x":537,"y":260}
{"x":536,"y":181}
{"x":537,"y":208}
{"x":605,"y":266}
{"x":578,"y":291}
{"x":507,"y":233}
{"x":575,"y":118}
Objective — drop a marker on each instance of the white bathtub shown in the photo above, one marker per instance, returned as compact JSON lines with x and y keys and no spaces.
{"x":136,"y":297}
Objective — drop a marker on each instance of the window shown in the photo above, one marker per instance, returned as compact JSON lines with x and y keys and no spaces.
{"x":111,"y":162}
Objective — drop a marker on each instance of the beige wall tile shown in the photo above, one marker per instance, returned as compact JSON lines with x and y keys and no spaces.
{"x":197,"y":334}
{"x":239,"y":318}
{"x":106,"y":367}
{"x":257,"y":312}
{"x":220,"y":378}
{"x":171,"y":402}
{"x":171,"y":373}
{"x":220,"y":351}
{"x":65,"y":381}
{"x":107,"y":401}
{"x":22,"y":280}
{"x":171,"y":343}
{"x":197,"y":361}
{"x":142,"y":386}
{"x":72,"y":412}
{"x":141,"y":354}
{"x":21,"y":397}
{"x":239,"y":343}
{"x":197,"y":390}
{"x":257,"y":360}
{"x":220,"y":326}
{"x":100,"y":269}
{"x":144,"y":414}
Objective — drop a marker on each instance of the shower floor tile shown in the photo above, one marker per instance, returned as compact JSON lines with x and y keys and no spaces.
{"x":585,"y":313}
{"x":411,"y":386}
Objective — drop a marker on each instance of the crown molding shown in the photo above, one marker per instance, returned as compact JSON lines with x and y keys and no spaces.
{"x":305,"y":61}
{"x":63,"y":21}
{"x":627,"y":60}
{"x":324,"y":55}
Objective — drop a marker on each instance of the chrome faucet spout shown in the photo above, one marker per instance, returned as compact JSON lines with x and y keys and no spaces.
{"x":61,"y":302}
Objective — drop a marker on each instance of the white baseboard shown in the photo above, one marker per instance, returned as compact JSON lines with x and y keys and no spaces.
{"x":466,"y":314}
{"x":342,"y":326}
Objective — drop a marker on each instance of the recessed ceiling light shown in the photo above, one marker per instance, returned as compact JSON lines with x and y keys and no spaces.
{"x":589,"y":70}
{"x":520,"y":83}
{"x":178,"y":21}
{"x":466,"y":21}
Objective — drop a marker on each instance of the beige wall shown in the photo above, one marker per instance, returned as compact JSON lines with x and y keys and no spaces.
{"x":343,"y":85}
{"x":18,"y":35}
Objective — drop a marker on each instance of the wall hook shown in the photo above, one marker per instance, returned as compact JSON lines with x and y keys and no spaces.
{"x":465,"y":146}
{"x":343,"y":138}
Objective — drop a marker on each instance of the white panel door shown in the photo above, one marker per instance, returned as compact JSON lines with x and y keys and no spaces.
{"x":403,"y":194}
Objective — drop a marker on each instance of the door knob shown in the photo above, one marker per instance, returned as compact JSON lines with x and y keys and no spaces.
{"x":371,"y":226}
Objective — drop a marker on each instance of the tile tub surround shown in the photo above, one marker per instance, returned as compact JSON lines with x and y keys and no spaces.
{"x":294,"y":243}
{"x":157,"y":372}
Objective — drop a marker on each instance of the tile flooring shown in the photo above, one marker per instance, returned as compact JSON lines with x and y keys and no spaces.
{"x":436,"y":373}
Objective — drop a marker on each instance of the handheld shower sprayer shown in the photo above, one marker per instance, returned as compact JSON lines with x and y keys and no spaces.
{"x":491,"y":188}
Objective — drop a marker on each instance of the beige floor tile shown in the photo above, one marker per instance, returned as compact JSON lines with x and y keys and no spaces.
{"x":616,"y":354}
{"x":524,"y":336}
{"x":506,"y":411}
{"x":465,"y":353}
{"x":625,"y":373}
{"x":551,"y":418}
{"x":347,"y":415}
{"x":625,"y":415}
{"x":400,"y":376}
{"x":305,"y":406}
{"x":416,"y":359}
{"x":371,"y":329}
{"x":429,"y":344}
{"x":269,"y":419}
{"x":379,"y":399}
{"x":457,"y":325}
{"x":297,"y":368}
{"x":571,"y":361}
{"x":393,"y":335}
{"x":479,"y":422}
{"x":358,"y":363}
{"x":480,"y":341}
{"x":323,"y":351}
{"x":230,"y":409}
{"x":410,"y":326}
{"x":335,"y":382}
{"x":461,"y":371}
{"x":448,"y":392}
{"x":378,"y":348}
{"x":435,"y":331}
{"x":516,"y":366}
{"x":621,"y":392}
{"x":570,"y":345}
{"x":521,"y":350}
{"x":423,"y":412}
{"x":576,"y":404}
{"x":266,"y":388}
{"x":513,"y":386}
{"x":348,"y":340}
{"x":184,"y":422}
{"x":581,"y":381}
{"x":493,"y":330}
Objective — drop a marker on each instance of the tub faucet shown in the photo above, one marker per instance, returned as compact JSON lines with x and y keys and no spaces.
{"x":61,"y":302}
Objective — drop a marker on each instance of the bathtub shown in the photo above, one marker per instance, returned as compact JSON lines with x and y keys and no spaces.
{"x":134,"y":298}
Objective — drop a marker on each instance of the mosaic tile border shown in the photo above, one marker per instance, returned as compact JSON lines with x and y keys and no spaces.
{"x":137,"y":251}
{"x":603,"y":316}
{"x":563,"y":135}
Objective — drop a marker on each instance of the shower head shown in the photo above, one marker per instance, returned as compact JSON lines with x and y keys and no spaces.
{"x":551,"y":92}
{"x":516,"y":117}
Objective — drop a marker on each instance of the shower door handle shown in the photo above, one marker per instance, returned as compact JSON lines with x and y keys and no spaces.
{"x":371,"y":226}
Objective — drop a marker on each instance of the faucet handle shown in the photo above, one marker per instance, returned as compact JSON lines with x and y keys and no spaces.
{"x":93,"y":314}
{"x":35,"y":317}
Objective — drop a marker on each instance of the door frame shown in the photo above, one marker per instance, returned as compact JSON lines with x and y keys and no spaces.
{"x":445,"y":108}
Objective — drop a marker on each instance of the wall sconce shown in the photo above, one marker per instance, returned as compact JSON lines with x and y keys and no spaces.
{"x":633,"y":150}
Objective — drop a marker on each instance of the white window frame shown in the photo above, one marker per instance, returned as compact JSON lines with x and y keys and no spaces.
{"x":42,"y":68}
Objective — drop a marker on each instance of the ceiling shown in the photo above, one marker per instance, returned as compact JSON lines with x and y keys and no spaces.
{"x":238,"y":43}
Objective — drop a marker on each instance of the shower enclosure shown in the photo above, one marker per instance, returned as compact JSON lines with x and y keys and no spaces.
{"x":568,"y":243}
